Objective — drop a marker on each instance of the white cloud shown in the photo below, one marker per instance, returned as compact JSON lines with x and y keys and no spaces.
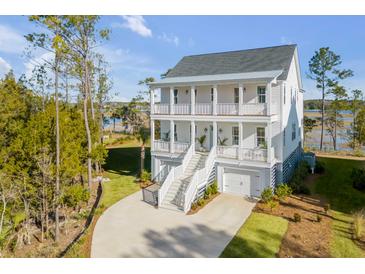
{"x":4,"y":67}
{"x":135,"y":23}
{"x":172,"y":39}
{"x":11,"y":41}
{"x":285,"y":40}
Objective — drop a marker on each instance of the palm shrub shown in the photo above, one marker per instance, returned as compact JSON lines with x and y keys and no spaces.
{"x":267,"y":195}
{"x":201,"y":140}
{"x":282,"y":191}
{"x":145,"y":176}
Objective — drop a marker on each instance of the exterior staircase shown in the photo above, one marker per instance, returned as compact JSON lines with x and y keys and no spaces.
{"x":174,"y":199}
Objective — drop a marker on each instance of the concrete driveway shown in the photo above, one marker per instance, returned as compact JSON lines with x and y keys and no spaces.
{"x":132,"y":228}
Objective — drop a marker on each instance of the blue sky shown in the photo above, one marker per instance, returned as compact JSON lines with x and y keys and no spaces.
{"x":147,"y":46}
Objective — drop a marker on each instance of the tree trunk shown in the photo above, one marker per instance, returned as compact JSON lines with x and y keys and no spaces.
{"x":2,"y":212}
{"x":335,"y":136}
{"x":57,"y":229}
{"x":142,"y":158}
{"x":322,"y":121}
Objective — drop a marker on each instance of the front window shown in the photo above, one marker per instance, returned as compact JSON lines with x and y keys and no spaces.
{"x":260,"y":137}
{"x":261,"y":94}
{"x":293,"y":134}
{"x":235,"y":136}
{"x":236,"y":96}
{"x":175,"y":96}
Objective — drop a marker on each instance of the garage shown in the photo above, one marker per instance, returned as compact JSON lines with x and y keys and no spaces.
{"x":242,"y":183}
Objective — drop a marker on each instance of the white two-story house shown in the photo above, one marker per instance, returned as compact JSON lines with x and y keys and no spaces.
{"x":235,"y":117}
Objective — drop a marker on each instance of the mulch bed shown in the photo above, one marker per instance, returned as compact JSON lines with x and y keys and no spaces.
{"x":307,"y":238}
{"x":207,"y":201}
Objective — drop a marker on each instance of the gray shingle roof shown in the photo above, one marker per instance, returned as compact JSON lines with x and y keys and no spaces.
{"x":251,"y":60}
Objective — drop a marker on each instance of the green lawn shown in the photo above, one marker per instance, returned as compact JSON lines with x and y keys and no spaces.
{"x":342,"y":245}
{"x":336,"y":186}
{"x":259,"y":237}
{"x":121,"y":166}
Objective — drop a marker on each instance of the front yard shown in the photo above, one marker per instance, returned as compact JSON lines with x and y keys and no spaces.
{"x":121,"y":167}
{"x":275,"y":233}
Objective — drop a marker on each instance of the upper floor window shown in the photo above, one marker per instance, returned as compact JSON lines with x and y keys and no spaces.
{"x":261,"y":94}
{"x":211,"y":94}
{"x":235,"y":137}
{"x":284,"y":94}
{"x":175,"y":96}
{"x":294,"y":132}
{"x":236,"y":96}
{"x":260,"y":137}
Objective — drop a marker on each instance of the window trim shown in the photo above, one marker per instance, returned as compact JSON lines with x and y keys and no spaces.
{"x":176,"y":92}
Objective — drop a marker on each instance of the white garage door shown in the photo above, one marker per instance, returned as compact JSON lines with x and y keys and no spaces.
{"x":243,"y":184}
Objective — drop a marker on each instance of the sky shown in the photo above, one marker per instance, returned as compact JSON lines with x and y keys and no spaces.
{"x":145,"y":46}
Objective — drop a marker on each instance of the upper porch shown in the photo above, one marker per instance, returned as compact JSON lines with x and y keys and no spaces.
{"x":245,"y":94}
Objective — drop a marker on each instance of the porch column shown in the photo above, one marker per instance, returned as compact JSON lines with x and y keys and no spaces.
{"x":268,"y":97}
{"x":240,"y":135}
{"x":192,"y":134}
{"x":152,"y":101}
{"x":215,"y":99}
{"x":171,"y":100}
{"x":172,"y":136}
{"x":269,"y":137}
{"x":192,"y":100}
{"x":215,"y":134}
{"x":152,"y":134}
{"x":240,"y":98}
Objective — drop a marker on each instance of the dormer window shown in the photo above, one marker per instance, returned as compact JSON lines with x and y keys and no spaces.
{"x":261,"y":94}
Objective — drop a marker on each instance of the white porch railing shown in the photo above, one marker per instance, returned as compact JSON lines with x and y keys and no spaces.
{"x":227,"y":109}
{"x":159,"y":145}
{"x":200,"y":177}
{"x":180,"y":147}
{"x":180,"y":109}
{"x":160,"y":108}
{"x":174,"y":173}
{"x":203,"y":108}
{"x":235,"y":152}
{"x":254,"y":109}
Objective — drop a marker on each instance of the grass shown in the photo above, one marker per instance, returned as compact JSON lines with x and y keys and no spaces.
{"x":121,"y":167}
{"x":342,"y":245}
{"x":336,"y":185}
{"x":259,"y":237}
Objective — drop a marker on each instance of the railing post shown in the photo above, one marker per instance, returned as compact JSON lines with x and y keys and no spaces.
{"x":172,"y":136}
{"x":215,"y":99}
{"x":268,"y":95}
{"x":192,"y":100}
{"x":152,"y":134}
{"x":152,"y":101}
{"x":240,"y":98}
{"x":192,"y":135}
{"x":171,"y":100}
{"x":240,"y":133}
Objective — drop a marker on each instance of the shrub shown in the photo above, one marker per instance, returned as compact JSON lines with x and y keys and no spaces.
{"x":282,"y":191}
{"x":296,"y":182}
{"x":272,"y":204}
{"x":358,"y":224}
{"x":267,"y":195}
{"x":200,"y":202}
{"x":319,"y":218}
{"x":358,"y":178}
{"x":319,"y":167}
{"x":194,"y":206}
{"x":358,"y":153}
{"x":145,"y":176}
{"x":74,"y":195}
{"x":214,"y":188}
{"x":297,"y":217}
{"x":303,"y":189}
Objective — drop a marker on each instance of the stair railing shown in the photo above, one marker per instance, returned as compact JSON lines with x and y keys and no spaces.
{"x":174,"y":173}
{"x":200,"y":177}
